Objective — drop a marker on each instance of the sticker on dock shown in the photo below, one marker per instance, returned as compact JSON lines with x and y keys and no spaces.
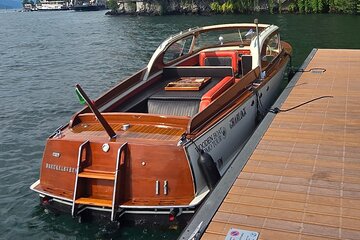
{"x":238,"y":234}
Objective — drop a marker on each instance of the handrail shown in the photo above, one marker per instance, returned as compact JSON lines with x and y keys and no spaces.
{"x":81,"y":148}
{"x":119,"y":161}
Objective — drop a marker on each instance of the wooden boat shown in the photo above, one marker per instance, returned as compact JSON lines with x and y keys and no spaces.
{"x":158,"y":142}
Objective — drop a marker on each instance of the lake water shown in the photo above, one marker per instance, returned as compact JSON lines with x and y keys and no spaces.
{"x":44,"y":54}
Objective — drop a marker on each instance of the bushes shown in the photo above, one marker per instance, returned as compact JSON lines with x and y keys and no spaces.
{"x":215,"y":7}
{"x":292,"y":7}
{"x":226,"y":7}
{"x":343,"y":6}
{"x":322,"y":6}
{"x":233,"y":6}
{"x":300,"y":6}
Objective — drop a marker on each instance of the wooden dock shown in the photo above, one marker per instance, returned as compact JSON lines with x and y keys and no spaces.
{"x":301,"y":175}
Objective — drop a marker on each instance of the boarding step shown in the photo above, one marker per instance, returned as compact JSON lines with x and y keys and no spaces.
{"x":95,"y":175}
{"x":94,"y":202}
{"x":99,"y":169}
{"x":85,"y":169}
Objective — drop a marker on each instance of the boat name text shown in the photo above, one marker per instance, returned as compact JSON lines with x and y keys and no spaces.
{"x":213,"y":140}
{"x":237,"y":118}
{"x":60,"y":168}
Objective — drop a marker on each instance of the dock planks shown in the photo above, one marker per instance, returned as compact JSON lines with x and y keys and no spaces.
{"x":302,"y":180}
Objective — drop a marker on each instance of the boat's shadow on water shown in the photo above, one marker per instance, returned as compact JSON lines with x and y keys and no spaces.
{"x":53,"y":222}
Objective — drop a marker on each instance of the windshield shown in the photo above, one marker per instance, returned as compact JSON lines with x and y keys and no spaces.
{"x":227,"y":36}
{"x":241,"y":36}
{"x":178,"y":49}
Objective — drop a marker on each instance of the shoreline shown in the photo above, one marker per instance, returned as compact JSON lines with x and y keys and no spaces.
{"x":222,"y":7}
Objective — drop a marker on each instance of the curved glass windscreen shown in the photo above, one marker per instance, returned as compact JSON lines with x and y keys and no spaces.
{"x":241,"y":36}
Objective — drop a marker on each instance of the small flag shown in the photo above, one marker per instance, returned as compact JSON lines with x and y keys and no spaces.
{"x":250,"y":32}
{"x":81,"y":98}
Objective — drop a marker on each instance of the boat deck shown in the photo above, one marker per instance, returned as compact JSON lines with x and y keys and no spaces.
{"x":302,"y":181}
{"x":141,"y":126}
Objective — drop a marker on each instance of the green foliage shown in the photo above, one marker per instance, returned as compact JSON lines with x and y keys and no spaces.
{"x":293,"y":7}
{"x":241,"y":6}
{"x":271,"y":6}
{"x":319,"y":6}
{"x":307,"y":6}
{"x":343,"y":6}
{"x":113,"y":5}
{"x":234,"y":6}
{"x":300,"y":6}
{"x":227,"y":7}
{"x":280,"y":6}
{"x":215,"y":7}
{"x":314,"y":5}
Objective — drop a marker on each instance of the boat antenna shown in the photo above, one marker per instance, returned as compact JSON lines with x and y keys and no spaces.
{"x":256,"y":21}
{"x":98,"y":115}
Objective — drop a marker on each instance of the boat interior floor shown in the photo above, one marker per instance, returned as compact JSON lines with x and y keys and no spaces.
{"x":184,"y":100}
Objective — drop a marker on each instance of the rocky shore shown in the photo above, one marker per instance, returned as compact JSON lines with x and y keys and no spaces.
{"x":168,"y":7}
{"x":206,"y":7}
{"x":152,"y":7}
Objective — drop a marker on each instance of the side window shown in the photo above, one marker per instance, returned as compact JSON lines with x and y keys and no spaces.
{"x":178,"y":49}
{"x":271,"y":48}
{"x":273,"y":45}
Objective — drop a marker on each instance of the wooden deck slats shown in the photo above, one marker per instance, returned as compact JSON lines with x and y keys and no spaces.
{"x":142,"y":131}
{"x":303,"y":179}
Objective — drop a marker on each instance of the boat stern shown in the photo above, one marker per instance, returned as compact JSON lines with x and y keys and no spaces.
{"x":143,"y":169}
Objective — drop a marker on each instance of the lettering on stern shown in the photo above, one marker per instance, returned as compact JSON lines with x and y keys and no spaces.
{"x":213,"y":140}
{"x":60,"y":168}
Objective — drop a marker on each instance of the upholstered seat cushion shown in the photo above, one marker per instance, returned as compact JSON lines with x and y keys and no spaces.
{"x":219,"y":58}
{"x":215,"y":92}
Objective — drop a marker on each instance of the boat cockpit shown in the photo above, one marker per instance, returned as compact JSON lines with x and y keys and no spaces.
{"x":197,"y":66}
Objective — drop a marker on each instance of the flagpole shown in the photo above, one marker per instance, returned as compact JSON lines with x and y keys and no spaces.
{"x":256,"y":21}
{"x":98,"y":115}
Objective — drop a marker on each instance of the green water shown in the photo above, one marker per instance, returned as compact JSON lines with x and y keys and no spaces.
{"x":42,"y":57}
